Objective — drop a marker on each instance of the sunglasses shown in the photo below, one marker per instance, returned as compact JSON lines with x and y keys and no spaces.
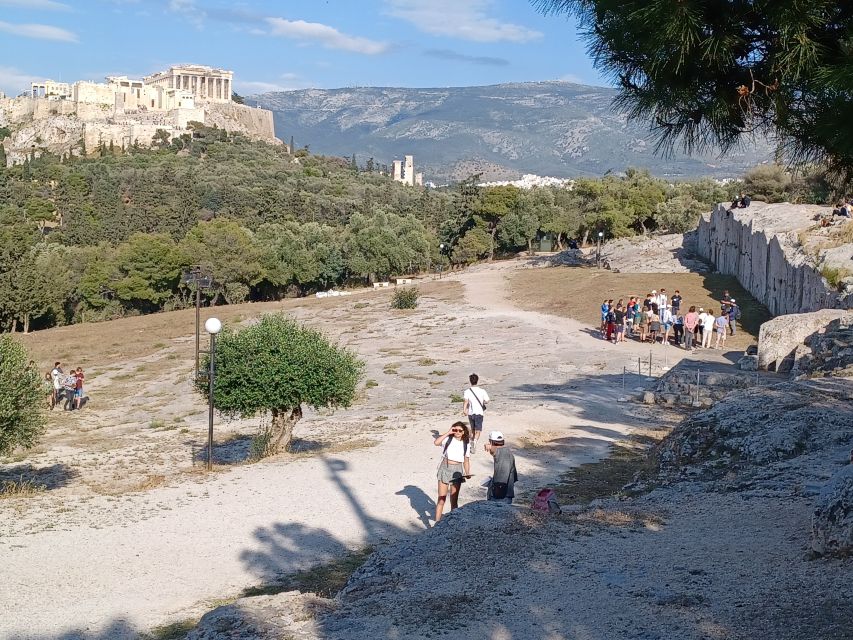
{"x":456,"y":431}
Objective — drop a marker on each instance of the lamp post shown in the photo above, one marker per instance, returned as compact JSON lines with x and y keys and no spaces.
{"x":440,"y":264}
{"x":212,"y":326}
{"x":598,"y":256}
{"x":197,"y":277}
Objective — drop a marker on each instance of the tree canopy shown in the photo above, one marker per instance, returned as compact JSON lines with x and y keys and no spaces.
{"x":276,"y":366}
{"x":706,"y":74}
{"x":22,"y":403}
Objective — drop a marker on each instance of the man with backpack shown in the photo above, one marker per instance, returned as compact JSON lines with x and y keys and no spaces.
{"x":474,"y":405}
{"x":734,"y":315}
{"x":504,"y":474}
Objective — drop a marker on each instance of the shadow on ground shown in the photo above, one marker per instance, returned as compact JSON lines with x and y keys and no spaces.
{"x":46,"y":478}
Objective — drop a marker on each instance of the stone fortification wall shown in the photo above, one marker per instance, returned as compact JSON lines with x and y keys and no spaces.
{"x":58,"y":126}
{"x":255,"y":123}
{"x":760,"y":247}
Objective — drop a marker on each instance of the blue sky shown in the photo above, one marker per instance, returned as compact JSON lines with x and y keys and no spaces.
{"x":291,"y":44}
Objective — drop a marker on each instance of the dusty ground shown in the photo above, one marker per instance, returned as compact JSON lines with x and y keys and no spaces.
{"x":129,"y":532}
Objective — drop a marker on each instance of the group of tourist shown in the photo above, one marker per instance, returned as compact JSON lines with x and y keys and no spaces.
{"x":64,"y":388}
{"x":659,"y":318}
{"x":460,"y":442}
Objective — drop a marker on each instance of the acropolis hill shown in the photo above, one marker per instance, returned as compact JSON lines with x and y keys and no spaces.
{"x":68,"y":118}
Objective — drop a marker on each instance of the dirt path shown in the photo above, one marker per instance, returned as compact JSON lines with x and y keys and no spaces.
{"x":156,"y":556}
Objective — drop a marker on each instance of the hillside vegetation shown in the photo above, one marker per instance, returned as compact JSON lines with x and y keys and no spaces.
{"x":112,"y":234}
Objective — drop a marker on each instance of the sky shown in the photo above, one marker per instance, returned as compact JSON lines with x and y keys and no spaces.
{"x":292,"y":44}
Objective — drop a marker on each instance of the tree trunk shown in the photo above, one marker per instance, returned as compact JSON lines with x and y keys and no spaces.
{"x":281,"y":430}
{"x":26,"y":323}
{"x":559,"y":240}
{"x":585,"y":238}
{"x":492,"y":245}
{"x":14,"y":325}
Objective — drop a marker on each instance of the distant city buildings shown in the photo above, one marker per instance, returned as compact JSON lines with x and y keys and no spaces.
{"x":530,"y":180}
{"x":404,"y":171}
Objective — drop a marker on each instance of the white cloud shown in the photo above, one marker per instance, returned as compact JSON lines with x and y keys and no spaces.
{"x":39,"y":31}
{"x":291,"y":82}
{"x":13,"y":81}
{"x":188,"y":8}
{"x":325,"y":35}
{"x":467,"y":20}
{"x":49,"y":5}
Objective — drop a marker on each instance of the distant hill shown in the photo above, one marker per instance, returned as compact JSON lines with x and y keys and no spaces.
{"x":549,"y":128}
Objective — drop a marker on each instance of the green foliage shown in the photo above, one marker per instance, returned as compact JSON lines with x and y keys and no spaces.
{"x":276,"y":366}
{"x":706,"y":73}
{"x":405,"y":298}
{"x":22,"y":403}
{"x":768,"y":182}
{"x":680,"y":214}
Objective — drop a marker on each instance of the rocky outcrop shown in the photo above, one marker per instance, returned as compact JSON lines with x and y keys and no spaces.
{"x":750,"y":432}
{"x":832,"y":523}
{"x":760,"y":246}
{"x":672,"y":253}
{"x":779,"y":338}
{"x":828,"y":352}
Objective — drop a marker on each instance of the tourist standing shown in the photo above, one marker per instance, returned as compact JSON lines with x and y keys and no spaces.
{"x":642,"y":322}
{"x":504,"y":473}
{"x":666,"y":321}
{"x":56,"y":375}
{"x":678,"y":329}
{"x":605,"y":309}
{"x":611,"y":324}
{"x":78,"y":391}
{"x":707,"y":328}
{"x":475,"y":400}
{"x":663,"y":301}
{"x":675,"y":303}
{"x":720,"y":327}
{"x":691,"y":320}
{"x":455,"y":465}
{"x":734,"y":315}
{"x":619,"y":317}
{"x":69,"y":388}
{"x":699,"y":338}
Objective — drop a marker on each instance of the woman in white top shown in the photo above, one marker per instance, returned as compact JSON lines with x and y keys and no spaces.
{"x":455,"y":465}
{"x":707,"y":328}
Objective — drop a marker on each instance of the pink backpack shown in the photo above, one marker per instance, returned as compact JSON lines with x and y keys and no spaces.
{"x":546,"y":500}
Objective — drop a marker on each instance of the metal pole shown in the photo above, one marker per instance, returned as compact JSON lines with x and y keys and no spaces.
{"x":210,"y":404}
{"x":598,"y":254}
{"x":197,"y":322}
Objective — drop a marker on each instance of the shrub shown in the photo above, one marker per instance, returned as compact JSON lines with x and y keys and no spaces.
{"x":276,"y":366}
{"x":405,"y":298}
{"x":22,"y":403}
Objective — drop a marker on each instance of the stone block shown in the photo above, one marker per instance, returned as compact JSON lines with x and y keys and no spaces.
{"x":832,"y":522}
{"x":748,"y":363}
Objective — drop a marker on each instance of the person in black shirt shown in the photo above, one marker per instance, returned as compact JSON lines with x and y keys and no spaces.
{"x":675,"y":302}
{"x":619,"y":317}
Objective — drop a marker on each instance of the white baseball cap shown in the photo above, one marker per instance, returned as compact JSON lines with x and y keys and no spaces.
{"x":496,"y":436}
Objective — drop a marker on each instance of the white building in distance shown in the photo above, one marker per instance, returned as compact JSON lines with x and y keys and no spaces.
{"x":405,"y":173}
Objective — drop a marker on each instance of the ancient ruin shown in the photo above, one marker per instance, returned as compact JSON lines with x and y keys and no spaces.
{"x":404,"y":171}
{"x":70,"y":118}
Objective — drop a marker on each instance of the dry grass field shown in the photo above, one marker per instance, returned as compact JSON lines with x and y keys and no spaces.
{"x":578,"y":292}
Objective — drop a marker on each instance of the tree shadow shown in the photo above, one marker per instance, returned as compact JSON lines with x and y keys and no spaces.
{"x":421,"y":503}
{"x":48,"y":478}
{"x":115,"y":630}
{"x":235,"y":450}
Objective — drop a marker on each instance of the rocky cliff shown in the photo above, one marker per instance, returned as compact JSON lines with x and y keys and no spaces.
{"x":763,"y":246}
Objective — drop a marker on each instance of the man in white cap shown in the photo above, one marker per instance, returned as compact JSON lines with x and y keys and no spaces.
{"x":504,"y":474}
{"x":734,"y":314}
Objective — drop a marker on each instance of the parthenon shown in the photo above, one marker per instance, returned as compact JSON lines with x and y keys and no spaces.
{"x":205,"y":83}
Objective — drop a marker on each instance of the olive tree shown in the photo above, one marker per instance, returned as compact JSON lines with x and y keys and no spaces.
{"x":22,"y":403}
{"x":276,"y":366}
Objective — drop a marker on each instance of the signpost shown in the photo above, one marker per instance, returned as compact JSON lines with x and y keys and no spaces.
{"x":197,"y":278}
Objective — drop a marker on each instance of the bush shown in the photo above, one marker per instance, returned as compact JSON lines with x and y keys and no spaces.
{"x":405,"y":298}
{"x":276,"y":366}
{"x":22,"y":403}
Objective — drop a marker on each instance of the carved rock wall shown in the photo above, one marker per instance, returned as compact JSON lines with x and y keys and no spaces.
{"x":760,"y":247}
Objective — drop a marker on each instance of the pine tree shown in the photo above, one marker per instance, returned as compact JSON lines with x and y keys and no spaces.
{"x":707,"y":74}
{"x":292,"y":148}
{"x":353,"y":165}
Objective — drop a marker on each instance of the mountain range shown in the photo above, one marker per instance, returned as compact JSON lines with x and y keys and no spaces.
{"x":555,"y":128}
